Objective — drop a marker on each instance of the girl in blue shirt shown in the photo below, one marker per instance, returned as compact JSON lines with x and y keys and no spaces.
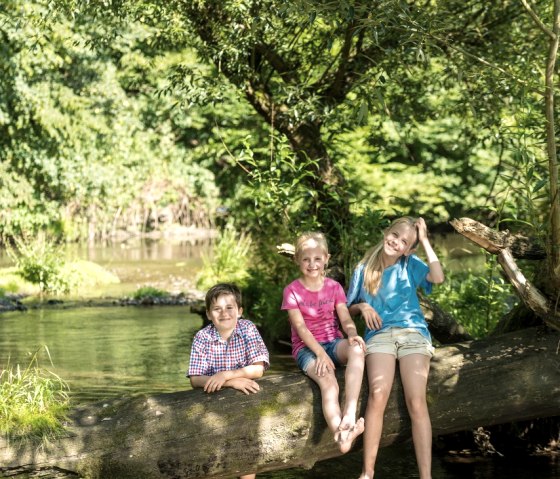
{"x":383,"y":290}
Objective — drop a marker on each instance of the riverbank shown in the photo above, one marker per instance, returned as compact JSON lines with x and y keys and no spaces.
{"x":194,"y":299}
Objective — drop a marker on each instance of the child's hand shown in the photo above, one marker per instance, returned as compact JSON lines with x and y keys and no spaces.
{"x":372,"y":319}
{"x":356,"y":340}
{"x":422,"y":229}
{"x":246,"y":385}
{"x":216,"y":382}
{"x":324,"y":365}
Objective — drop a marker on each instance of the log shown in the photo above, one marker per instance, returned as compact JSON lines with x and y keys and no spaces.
{"x":529,"y":294}
{"x":190,"y":434}
{"x":441,"y":324}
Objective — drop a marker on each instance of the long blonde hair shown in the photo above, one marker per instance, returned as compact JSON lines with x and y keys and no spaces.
{"x":373,"y":259}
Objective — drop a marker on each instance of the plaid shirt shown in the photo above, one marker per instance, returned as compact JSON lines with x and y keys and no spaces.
{"x":210,"y":354}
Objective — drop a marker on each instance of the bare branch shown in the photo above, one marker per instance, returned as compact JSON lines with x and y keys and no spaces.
{"x":530,"y":295}
{"x":538,"y":21}
{"x":494,"y":241}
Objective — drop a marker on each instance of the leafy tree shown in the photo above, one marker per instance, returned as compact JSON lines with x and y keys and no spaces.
{"x":84,"y":147}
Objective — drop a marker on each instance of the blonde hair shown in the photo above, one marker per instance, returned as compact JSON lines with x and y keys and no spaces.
{"x":318,"y":237}
{"x":373,"y":259}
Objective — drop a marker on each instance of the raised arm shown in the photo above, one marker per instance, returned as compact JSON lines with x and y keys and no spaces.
{"x":435,"y":275}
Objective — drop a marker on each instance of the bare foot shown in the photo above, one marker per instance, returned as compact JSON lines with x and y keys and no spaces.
{"x":347,"y":422}
{"x":345,"y":440}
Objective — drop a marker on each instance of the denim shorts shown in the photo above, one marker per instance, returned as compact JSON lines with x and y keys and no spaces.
{"x":400,"y":342}
{"x":305,"y":356}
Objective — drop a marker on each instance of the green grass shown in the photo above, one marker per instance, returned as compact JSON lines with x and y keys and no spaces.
{"x":33,"y":401}
{"x":11,"y":282}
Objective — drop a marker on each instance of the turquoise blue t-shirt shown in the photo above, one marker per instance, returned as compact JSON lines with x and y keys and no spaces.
{"x":396,"y":302}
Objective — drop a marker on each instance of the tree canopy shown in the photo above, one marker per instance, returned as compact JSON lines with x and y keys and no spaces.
{"x":291,"y":115}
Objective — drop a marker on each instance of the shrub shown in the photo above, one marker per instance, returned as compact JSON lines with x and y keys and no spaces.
{"x":229,"y":262}
{"x":40,"y":262}
{"x":149,"y":292}
{"x":86,"y":274}
{"x":33,"y":401}
{"x":477,"y":300}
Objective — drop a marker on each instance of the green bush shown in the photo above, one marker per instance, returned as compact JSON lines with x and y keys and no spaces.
{"x":33,"y":401}
{"x":40,"y":262}
{"x":262,"y":296}
{"x":229,"y":262}
{"x":149,"y":292}
{"x":86,"y":274}
{"x":477,"y":300}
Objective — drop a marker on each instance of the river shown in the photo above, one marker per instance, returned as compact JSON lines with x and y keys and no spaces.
{"x":105,"y":352}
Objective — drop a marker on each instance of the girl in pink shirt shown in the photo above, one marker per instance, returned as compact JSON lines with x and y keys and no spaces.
{"x":317,"y":308}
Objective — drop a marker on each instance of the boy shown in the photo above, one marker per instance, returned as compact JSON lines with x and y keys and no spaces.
{"x":229,"y":352}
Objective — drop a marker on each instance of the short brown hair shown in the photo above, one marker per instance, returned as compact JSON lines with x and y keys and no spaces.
{"x":220,"y":289}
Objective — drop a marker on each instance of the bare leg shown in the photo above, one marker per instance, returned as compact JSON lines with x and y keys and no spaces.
{"x":381,"y":372}
{"x":414,"y":370}
{"x":353,"y":357}
{"x":248,"y":476}
{"x":331,"y":409}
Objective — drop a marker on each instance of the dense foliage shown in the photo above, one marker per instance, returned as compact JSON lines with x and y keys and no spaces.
{"x":290,"y":115}
{"x":85,"y":149}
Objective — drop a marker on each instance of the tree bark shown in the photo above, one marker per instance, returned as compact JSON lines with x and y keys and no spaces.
{"x":494,"y":241}
{"x":190,"y":434}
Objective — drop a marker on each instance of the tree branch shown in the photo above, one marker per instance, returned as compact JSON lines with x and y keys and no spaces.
{"x":530,"y":295}
{"x":494,"y":241}
{"x":497,"y":243}
{"x":538,"y":21}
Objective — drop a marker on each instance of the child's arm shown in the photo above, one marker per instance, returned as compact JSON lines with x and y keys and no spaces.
{"x":372,"y":319}
{"x":324,"y":363}
{"x":241,"y":379}
{"x":435,"y":275}
{"x":348,"y":326}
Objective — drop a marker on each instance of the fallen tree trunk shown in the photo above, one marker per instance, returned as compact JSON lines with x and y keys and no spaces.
{"x":494,"y":241}
{"x":191,"y":434}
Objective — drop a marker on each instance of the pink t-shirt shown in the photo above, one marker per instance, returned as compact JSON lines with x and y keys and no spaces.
{"x":317,"y":309}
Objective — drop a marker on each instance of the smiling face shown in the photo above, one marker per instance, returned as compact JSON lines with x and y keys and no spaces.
{"x":224,"y":313}
{"x":399,"y":240}
{"x":312,"y":260}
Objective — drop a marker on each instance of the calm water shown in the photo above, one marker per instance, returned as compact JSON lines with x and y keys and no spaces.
{"x":105,"y":352}
{"x":116,"y":351}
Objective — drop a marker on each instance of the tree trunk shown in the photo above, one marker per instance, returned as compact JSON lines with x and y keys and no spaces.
{"x":191,"y":434}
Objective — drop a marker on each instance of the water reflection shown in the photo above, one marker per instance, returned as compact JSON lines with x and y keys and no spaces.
{"x":105,"y":352}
